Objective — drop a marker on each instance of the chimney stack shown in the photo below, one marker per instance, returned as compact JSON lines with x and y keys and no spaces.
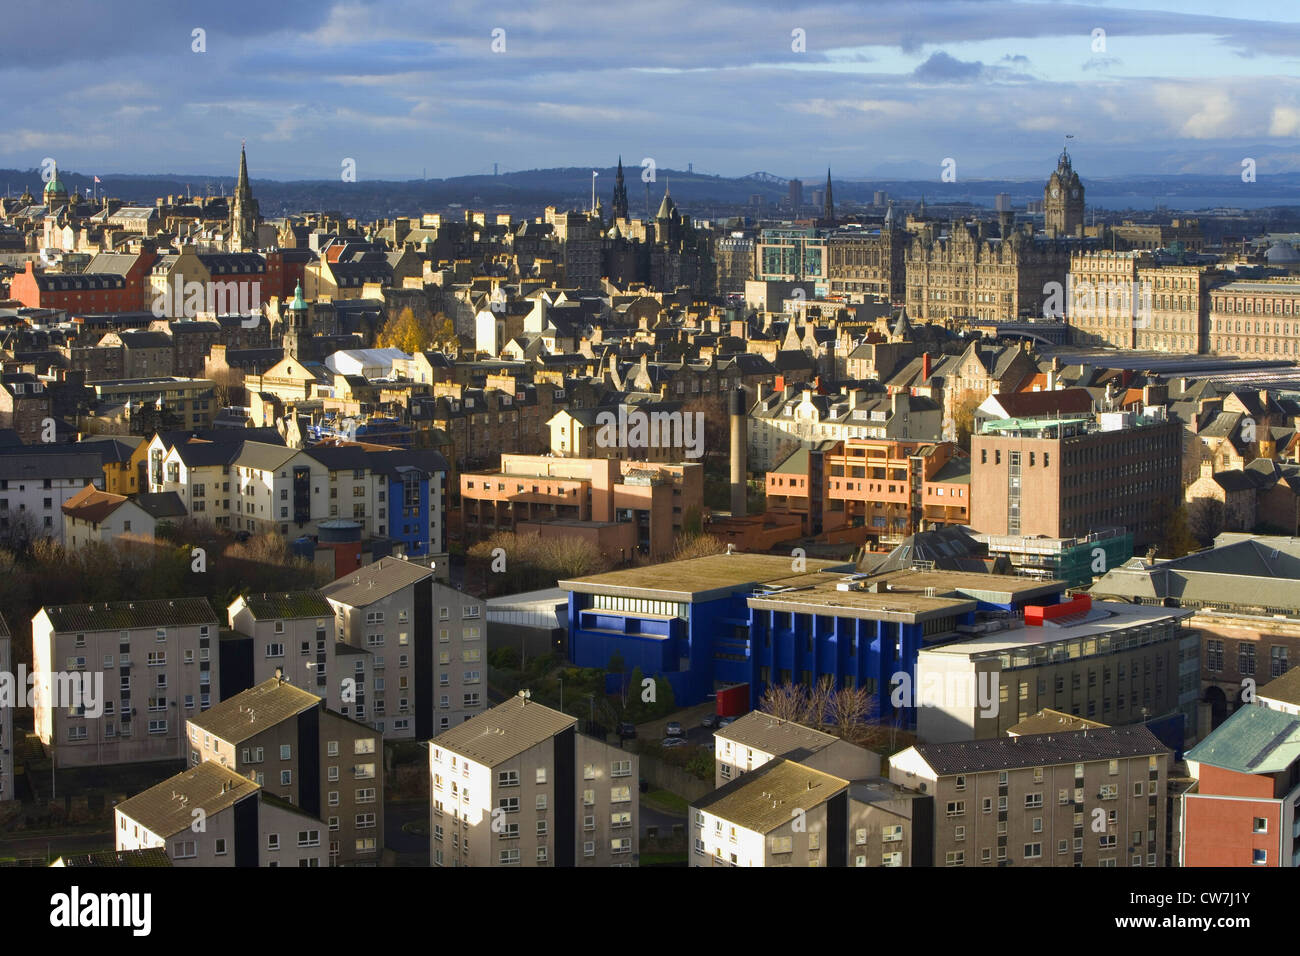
{"x":739,"y":452}
{"x":925,"y":367}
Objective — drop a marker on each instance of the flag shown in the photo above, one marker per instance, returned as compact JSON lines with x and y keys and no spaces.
{"x":98,"y":180}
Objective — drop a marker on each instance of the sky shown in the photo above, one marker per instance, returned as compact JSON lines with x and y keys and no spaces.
{"x":871,"y":88}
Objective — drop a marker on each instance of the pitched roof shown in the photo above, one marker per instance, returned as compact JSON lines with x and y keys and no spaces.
{"x":766,"y":798}
{"x":1285,"y":688}
{"x":168,"y":808}
{"x":375,"y":582}
{"x":127,"y":615}
{"x":505,"y":731}
{"x":288,"y":605}
{"x":775,"y":736}
{"x":252,"y":711}
{"x":1040,"y":750}
{"x":91,"y":504}
{"x":1254,"y":739}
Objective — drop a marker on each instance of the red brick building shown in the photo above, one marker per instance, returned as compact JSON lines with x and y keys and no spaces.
{"x":87,"y":292}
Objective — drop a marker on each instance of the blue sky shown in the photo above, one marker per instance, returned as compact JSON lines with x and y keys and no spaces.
{"x":882,"y":88}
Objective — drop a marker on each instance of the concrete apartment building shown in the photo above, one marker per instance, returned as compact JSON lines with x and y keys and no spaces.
{"x":287,"y":634}
{"x":426,"y":645}
{"x":157,"y":660}
{"x":783,"y":814}
{"x":290,"y":743}
{"x":624,"y":507}
{"x":519,"y":786}
{"x":1071,"y":475}
{"x":1116,"y":663}
{"x":7,"y":718}
{"x":1242,"y":809}
{"x":242,"y":825}
{"x":1088,"y":798}
{"x":758,"y":738}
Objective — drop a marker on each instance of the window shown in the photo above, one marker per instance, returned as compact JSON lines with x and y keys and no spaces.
{"x":273,"y":841}
{"x":1033,"y":851}
{"x":286,"y":778}
{"x":219,"y":847}
{"x":1261,"y":825}
{"x":956,"y":808}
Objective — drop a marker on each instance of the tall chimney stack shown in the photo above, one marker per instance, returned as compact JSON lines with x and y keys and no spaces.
{"x":739,"y":452}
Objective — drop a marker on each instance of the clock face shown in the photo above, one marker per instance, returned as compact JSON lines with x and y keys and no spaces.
{"x":1056,"y":191}
{"x":1074,"y":194}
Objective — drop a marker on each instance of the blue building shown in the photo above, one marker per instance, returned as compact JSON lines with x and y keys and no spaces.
{"x":707,"y":623}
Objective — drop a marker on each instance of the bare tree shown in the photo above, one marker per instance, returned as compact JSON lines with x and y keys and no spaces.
{"x":848,"y":708}
{"x":784,"y":701}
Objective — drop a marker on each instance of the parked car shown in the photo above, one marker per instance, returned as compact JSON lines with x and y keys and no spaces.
{"x":626,"y":730}
{"x":725,"y":721}
{"x":673,"y":742}
{"x":674,"y":729}
{"x":709,"y":721}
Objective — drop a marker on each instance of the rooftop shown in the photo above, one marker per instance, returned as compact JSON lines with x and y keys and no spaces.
{"x":290,"y":604}
{"x":695,"y":579}
{"x":1254,"y":739}
{"x":1048,"y":721}
{"x":252,"y":711}
{"x":503,"y":732}
{"x":773,"y":735}
{"x":168,"y":808}
{"x":764,"y":799}
{"x":375,"y":582}
{"x":1040,"y":750}
{"x":127,"y":615}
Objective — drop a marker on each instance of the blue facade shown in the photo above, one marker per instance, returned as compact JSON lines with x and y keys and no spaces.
{"x":725,"y":642}
{"x":408,"y":517}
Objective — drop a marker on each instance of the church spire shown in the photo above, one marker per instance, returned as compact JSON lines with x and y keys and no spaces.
{"x":828,"y":206}
{"x":243,"y":211}
{"x":618,"y":209}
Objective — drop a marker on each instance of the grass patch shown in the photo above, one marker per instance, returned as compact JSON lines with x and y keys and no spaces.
{"x":665,"y":801}
{"x":663,"y":859}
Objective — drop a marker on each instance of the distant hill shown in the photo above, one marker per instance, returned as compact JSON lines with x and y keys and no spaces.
{"x":530,"y":191}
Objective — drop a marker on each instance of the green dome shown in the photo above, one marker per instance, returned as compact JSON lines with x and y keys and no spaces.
{"x":55,"y":186}
{"x":298,"y":302}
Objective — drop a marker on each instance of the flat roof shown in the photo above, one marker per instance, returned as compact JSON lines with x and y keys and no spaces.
{"x":696,"y":579}
{"x":819,"y":593}
{"x":1103,"y":619}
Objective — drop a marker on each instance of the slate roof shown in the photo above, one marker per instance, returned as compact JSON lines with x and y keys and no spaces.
{"x":1040,"y":750}
{"x":375,"y":582}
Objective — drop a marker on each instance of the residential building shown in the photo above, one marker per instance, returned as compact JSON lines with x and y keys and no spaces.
{"x":426,"y":643}
{"x":290,"y":635}
{"x":783,"y":814}
{"x":1242,"y":809}
{"x":890,"y":489}
{"x":757,"y":738}
{"x":624,"y":507}
{"x":1089,"y":798}
{"x":295,"y":747}
{"x":97,"y":517}
{"x":517,"y":785}
{"x":36,"y":484}
{"x":242,"y":825}
{"x":157,"y":655}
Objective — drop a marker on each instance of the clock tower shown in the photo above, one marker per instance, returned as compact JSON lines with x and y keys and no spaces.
{"x":1063,"y":200}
